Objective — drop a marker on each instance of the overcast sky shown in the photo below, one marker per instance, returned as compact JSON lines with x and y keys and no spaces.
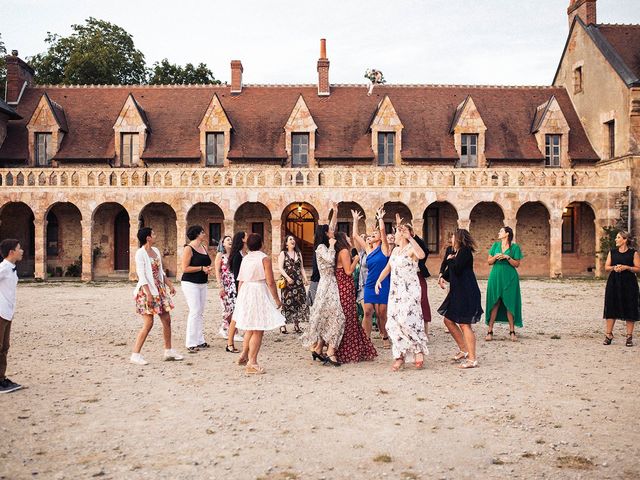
{"x":510,"y":42}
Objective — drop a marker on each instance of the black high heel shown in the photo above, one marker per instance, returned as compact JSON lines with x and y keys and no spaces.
{"x":335,"y":363}
{"x":318,"y":356}
{"x":608,"y":338}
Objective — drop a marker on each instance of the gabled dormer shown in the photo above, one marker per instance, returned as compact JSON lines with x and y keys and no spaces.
{"x":468,"y":130}
{"x":131,"y":130}
{"x":300,"y":136}
{"x":215,"y":135}
{"x":386,"y":134}
{"x":551,"y":130}
{"x":47,"y":127}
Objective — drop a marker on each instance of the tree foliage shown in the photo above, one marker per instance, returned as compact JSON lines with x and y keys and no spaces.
{"x":98,"y":52}
{"x":3,"y":66}
{"x":165,"y":73}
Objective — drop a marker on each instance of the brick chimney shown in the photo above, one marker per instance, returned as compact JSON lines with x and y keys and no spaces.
{"x":236,"y":76}
{"x":323,"y":70}
{"x":585,"y":9}
{"x":18,"y":72}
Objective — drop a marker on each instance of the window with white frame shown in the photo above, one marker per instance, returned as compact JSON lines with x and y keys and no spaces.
{"x":469,"y":150}
{"x":552,"y":150}
{"x":215,"y":149}
{"x":44,"y":149}
{"x":299,"y":149}
{"x":130,"y":149}
{"x":386,"y":148}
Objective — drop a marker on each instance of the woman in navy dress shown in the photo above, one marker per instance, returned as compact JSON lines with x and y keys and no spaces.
{"x":462,"y":307}
{"x":621,"y":297}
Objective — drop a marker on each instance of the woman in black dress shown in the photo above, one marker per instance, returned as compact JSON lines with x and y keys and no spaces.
{"x":622,"y":297}
{"x":238,"y":249}
{"x":462,"y":307}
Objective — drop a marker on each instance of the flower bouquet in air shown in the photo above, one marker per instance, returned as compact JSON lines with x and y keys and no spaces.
{"x":375,"y":77}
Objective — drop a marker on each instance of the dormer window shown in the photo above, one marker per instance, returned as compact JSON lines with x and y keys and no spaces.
{"x":215,"y":149}
{"x":469,"y":150}
{"x":130,"y":150}
{"x":44,"y":149}
{"x":386,"y":148}
{"x":299,"y":149}
{"x":552,"y":150}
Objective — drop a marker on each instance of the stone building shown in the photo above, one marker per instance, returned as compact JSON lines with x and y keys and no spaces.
{"x":83,"y":167}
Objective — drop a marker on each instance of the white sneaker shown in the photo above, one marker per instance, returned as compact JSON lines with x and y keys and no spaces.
{"x":138,"y":359}
{"x":238,"y":338}
{"x":222,"y":333}
{"x":171,"y":354}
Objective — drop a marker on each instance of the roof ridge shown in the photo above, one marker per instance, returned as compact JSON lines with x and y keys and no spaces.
{"x":618,"y":25}
{"x":186,"y":85}
{"x":294,"y":85}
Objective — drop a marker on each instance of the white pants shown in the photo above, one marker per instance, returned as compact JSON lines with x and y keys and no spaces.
{"x":196,"y":296}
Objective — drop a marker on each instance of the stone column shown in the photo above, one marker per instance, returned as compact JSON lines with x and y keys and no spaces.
{"x":181,"y":239}
{"x":555,"y":248}
{"x":229,"y":225}
{"x":276,"y":240}
{"x":87,"y":250}
{"x":601,"y":257}
{"x":464,"y":223}
{"x":40,"y":253}
{"x":133,"y":244}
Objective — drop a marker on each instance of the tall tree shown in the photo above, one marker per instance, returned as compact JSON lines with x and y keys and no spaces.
{"x":3,"y":67}
{"x":165,"y":73}
{"x":98,"y":52}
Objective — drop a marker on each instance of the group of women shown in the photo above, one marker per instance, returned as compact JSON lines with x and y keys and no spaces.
{"x":390,"y":285}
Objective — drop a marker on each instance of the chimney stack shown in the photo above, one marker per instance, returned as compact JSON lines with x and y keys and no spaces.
{"x":323,"y":70}
{"x":585,"y":9}
{"x":236,"y":76}
{"x":18,"y":73}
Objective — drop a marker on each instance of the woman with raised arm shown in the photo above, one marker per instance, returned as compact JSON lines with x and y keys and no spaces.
{"x":621,"y":297}
{"x":355,"y":345}
{"x":504,"y":303}
{"x":376,"y":261}
{"x":462,"y":307}
{"x":257,"y":303}
{"x":227,"y":286}
{"x":294,"y":296}
{"x":405,"y":322}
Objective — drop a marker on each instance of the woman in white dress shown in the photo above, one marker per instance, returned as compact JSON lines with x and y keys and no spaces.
{"x":257,"y":303}
{"x":405,"y":324}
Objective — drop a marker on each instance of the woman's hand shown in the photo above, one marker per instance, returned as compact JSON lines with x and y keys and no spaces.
{"x":356,"y":215}
{"x":441,"y":283}
{"x":332,"y":242}
{"x":149,"y":302}
{"x":290,"y":280}
{"x":278,"y":303}
{"x":172,"y":290}
{"x":451,"y":255}
{"x":222,"y":293}
{"x":378,"y":287}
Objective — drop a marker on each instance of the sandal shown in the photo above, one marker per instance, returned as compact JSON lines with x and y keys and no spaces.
{"x":398,"y":365}
{"x":283,"y":330}
{"x":386,"y":344}
{"x":193,"y":349}
{"x":512,"y":336}
{"x":328,"y":360}
{"x":608,"y":338}
{"x":204,"y":345}
{"x":460,"y":356}
{"x":489,"y":336}
{"x":629,"y":342}
{"x":296,"y":329}
{"x":468,"y":364}
{"x":254,"y":370}
{"x":231,"y":349}
{"x":420,"y":363}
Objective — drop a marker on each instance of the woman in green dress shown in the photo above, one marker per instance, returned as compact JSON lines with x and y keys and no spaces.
{"x":504,"y":303}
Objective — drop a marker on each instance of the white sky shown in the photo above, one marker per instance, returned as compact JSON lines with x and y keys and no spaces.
{"x":509,"y":42}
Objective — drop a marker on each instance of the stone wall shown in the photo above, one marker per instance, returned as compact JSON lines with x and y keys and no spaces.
{"x":532,"y":233}
{"x":486,"y":221}
{"x":162,"y":218}
{"x":69,"y":239}
{"x":16,"y":221}
{"x":104,"y":238}
{"x":255,"y":212}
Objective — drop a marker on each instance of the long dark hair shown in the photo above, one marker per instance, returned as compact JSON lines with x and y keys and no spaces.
{"x":321,"y":237}
{"x":342,"y":243}
{"x":509,"y":232}
{"x":237,"y":244}
{"x":465,"y":240}
{"x":284,"y":244}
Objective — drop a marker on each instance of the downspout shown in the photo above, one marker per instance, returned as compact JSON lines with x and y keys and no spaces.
{"x":629,"y":209}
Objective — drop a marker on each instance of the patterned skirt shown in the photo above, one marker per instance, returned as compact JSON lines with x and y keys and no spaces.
{"x":160,"y":303}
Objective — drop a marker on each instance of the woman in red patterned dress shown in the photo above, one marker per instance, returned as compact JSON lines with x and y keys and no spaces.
{"x":355,"y":345}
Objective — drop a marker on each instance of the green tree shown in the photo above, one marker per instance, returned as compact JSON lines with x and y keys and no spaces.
{"x":98,"y":52}
{"x":3,"y":67}
{"x":165,"y":73}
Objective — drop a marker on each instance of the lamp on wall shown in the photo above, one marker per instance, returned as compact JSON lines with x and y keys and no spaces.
{"x":299,"y":207}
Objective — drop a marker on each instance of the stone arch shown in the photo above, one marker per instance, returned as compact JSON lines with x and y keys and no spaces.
{"x":391,"y":208}
{"x":486,"y":220}
{"x":345,"y":220}
{"x":440,"y":220}
{"x":255,"y":217}
{"x":579,"y":239}
{"x":17,"y":221}
{"x":63,"y":240}
{"x":209,"y":216}
{"x":111,"y":240}
{"x":161,"y":217}
{"x":533,"y":234}
{"x":300,"y":220}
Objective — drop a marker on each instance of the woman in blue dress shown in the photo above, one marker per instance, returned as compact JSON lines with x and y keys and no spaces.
{"x":377,"y":258}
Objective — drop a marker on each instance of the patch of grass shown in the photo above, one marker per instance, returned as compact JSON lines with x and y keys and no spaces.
{"x":383,"y":458}
{"x":528,"y":455}
{"x":555,"y":337}
{"x":574,"y":461}
{"x":540,"y":441}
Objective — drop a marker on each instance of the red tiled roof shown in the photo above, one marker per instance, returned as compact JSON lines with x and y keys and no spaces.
{"x":259,"y":113}
{"x":625,"y":39}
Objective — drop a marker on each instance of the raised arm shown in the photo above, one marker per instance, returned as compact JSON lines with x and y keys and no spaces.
{"x":359,"y":242}
{"x":334,"y":220}
{"x":383,"y":234}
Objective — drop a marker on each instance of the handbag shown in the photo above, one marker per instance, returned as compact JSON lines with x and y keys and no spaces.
{"x":281,"y":283}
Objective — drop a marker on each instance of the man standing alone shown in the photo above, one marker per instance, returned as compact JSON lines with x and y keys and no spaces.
{"x":12,"y":253}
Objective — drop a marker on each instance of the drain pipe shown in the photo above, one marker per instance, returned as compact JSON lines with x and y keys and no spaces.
{"x":629,"y":209}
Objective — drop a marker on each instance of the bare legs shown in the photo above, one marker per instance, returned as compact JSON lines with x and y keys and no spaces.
{"x":457,"y":335}
{"x":231,"y":333}
{"x":165,"y":318}
{"x":381,"y":316}
{"x":367,"y":321}
{"x":469,"y":340}
{"x":492,"y":321}
{"x":610,"y":323}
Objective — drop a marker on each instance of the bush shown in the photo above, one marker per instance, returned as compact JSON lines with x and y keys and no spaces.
{"x":75,"y":269}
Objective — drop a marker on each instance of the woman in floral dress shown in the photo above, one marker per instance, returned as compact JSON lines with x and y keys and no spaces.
{"x":294,"y":295}
{"x":405,"y":323}
{"x":227,"y":285}
{"x":355,"y":346}
{"x":326,"y":319}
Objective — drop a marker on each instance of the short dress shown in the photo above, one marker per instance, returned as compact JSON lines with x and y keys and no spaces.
{"x":376,"y":262}
{"x":160,"y":303}
{"x":255,"y":308}
{"x":463,"y":303}
{"x":621,"y":296}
